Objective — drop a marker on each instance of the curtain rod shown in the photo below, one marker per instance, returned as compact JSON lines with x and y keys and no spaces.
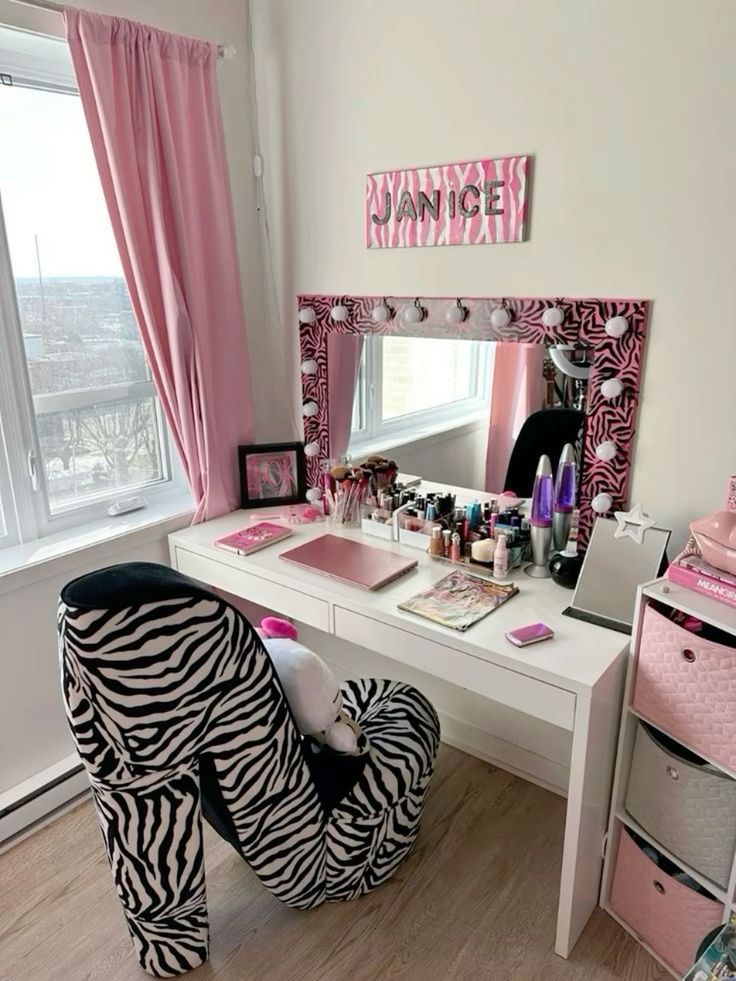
{"x":225,"y":52}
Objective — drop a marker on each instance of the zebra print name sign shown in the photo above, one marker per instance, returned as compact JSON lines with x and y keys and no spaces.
{"x":471,"y":203}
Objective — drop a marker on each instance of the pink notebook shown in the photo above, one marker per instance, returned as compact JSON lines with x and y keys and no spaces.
{"x":349,"y":561}
{"x":251,"y":539}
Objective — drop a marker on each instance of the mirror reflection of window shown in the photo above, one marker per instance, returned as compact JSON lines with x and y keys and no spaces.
{"x":442,"y":408}
{"x":411,"y":385}
{"x":420,"y":373}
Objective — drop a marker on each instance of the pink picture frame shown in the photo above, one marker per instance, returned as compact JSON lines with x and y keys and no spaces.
{"x":584,"y":320}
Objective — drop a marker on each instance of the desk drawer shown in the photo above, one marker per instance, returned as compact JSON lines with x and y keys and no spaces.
{"x":284,"y":600}
{"x":511,"y":688}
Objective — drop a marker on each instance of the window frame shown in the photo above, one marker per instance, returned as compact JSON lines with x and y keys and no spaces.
{"x":25,"y":507}
{"x":415,"y":425}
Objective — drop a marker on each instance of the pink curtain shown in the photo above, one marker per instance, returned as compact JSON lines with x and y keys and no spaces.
{"x":516,"y":392}
{"x":343,"y":362}
{"x":153,"y":113}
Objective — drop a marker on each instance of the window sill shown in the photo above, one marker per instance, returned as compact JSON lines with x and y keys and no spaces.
{"x":21,"y":565}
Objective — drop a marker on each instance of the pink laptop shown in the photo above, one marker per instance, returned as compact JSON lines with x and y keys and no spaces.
{"x":350,"y":561}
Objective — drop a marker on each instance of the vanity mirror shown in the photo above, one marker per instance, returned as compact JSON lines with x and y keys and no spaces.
{"x":471,"y":391}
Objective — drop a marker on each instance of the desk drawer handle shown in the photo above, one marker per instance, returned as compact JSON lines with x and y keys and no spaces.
{"x":672,"y":773}
{"x":689,"y":654}
{"x":659,"y":887}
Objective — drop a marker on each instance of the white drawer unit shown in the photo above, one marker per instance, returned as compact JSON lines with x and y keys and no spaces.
{"x":672,"y":791}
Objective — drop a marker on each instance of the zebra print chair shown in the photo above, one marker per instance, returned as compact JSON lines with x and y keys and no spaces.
{"x":177,"y":711}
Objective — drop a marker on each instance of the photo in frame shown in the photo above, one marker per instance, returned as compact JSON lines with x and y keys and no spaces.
{"x":271,"y":474}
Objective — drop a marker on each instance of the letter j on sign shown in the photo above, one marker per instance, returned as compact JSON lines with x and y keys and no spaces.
{"x":472,"y":203}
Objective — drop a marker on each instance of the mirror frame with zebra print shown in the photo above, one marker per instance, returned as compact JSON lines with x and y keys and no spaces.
{"x":613,"y":329}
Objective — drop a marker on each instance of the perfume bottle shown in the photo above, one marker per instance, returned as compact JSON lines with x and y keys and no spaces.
{"x":564,"y":497}
{"x":541,"y":519}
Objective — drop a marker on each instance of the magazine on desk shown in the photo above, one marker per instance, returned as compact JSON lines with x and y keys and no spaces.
{"x":459,"y":600}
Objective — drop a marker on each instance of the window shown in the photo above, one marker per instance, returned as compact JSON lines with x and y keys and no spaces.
{"x":409,"y":387}
{"x":80,"y":423}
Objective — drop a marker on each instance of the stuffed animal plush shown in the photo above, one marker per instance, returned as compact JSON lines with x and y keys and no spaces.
{"x":311,"y":689}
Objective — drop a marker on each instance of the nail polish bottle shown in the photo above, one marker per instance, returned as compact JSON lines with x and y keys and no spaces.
{"x":435,"y":542}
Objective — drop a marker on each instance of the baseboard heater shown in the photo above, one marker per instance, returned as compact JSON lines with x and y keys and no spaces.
{"x":35,"y":800}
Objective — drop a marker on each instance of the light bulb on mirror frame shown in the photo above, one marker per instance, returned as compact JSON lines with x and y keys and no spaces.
{"x":310,"y":409}
{"x":553,"y":317}
{"x":339,"y":312}
{"x":500,"y":317}
{"x":309,"y":367}
{"x":311,"y":449}
{"x":616,"y":326}
{"x":381,"y":312}
{"x":606,"y":450}
{"x":611,"y":388}
{"x":307,"y":315}
{"x":457,"y":313}
{"x":415,"y":313}
{"x":602,"y":503}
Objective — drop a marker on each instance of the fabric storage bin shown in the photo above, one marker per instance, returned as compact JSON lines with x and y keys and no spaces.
{"x":666,"y":914}
{"x":687,"y":686}
{"x":683,"y":802}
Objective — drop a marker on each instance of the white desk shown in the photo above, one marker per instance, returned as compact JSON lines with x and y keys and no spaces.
{"x":573,"y":681}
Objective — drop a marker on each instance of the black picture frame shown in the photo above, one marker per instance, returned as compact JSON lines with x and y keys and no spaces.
{"x":256,"y":487}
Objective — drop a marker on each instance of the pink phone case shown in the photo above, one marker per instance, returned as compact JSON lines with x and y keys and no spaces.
{"x":533,"y":633}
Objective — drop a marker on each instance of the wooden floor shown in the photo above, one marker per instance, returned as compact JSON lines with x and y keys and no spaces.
{"x":476,"y":900}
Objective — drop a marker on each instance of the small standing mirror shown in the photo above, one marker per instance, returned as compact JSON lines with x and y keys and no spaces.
{"x":613,"y":569}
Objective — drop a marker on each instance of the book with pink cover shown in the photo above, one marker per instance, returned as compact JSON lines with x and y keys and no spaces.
{"x":695,"y":573}
{"x":350,"y":561}
{"x":249,"y":540}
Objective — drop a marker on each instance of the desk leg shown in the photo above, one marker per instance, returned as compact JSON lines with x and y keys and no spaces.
{"x":588,"y":796}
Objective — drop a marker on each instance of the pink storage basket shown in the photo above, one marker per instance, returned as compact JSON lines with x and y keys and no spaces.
{"x":687,"y":686}
{"x":664,"y":913}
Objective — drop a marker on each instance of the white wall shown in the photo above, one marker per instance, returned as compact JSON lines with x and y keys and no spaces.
{"x":627,"y":107}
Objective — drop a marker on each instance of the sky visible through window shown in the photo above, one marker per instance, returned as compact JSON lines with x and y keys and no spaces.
{"x":43,"y":130}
